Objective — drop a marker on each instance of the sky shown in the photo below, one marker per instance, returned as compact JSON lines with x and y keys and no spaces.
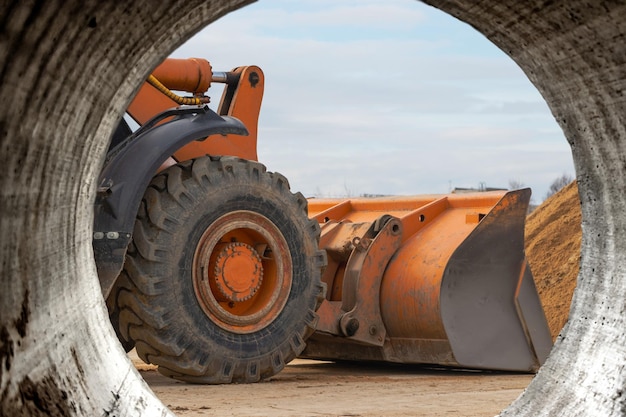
{"x":386,"y":97}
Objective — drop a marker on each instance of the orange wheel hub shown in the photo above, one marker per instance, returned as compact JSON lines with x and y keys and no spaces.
{"x":242,"y":272}
{"x":238,"y":271}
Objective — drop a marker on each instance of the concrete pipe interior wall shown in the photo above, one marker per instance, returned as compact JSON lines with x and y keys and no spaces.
{"x":67,"y":70}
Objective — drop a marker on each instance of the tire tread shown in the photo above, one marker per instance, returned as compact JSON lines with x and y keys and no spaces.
{"x":157,"y":335}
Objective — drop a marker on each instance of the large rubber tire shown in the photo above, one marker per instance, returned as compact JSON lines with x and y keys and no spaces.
{"x":203,"y":327}
{"x":121,"y":283}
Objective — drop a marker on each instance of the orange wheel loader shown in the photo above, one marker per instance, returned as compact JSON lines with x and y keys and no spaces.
{"x":216,"y":272}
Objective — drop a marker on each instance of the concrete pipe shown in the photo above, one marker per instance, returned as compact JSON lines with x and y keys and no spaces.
{"x":67,"y":71}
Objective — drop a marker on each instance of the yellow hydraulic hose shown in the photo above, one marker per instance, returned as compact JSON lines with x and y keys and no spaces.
{"x":175,"y":97}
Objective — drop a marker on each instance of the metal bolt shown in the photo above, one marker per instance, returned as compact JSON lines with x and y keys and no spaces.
{"x":352,"y":327}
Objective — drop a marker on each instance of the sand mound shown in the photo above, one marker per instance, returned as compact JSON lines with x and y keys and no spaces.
{"x":553,"y":236}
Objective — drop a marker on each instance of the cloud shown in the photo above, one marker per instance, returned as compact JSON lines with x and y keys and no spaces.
{"x":386,"y":98}
{"x":330,"y":19}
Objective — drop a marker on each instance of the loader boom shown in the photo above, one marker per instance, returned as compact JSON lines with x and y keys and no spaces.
{"x":241,"y":99}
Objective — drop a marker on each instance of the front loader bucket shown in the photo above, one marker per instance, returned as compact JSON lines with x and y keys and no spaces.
{"x":439,"y":280}
{"x":489,"y":305}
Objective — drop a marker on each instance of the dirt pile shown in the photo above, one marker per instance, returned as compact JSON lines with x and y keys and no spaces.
{"x":553,"y":236}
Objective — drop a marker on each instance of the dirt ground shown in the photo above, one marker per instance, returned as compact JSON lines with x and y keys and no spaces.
{"x":309,"y":388}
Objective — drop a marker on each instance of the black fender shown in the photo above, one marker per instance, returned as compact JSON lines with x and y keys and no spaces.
{"x":128,"y":170}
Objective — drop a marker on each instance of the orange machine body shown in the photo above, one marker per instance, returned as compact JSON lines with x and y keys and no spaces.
{"x":426,"y":279}
{"x":429,"y":279}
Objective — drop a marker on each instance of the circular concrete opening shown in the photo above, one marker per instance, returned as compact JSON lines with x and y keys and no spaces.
{"x":68,"y":71}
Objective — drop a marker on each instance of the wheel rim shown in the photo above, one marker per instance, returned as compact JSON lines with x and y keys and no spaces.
{"x":242,"y":272}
